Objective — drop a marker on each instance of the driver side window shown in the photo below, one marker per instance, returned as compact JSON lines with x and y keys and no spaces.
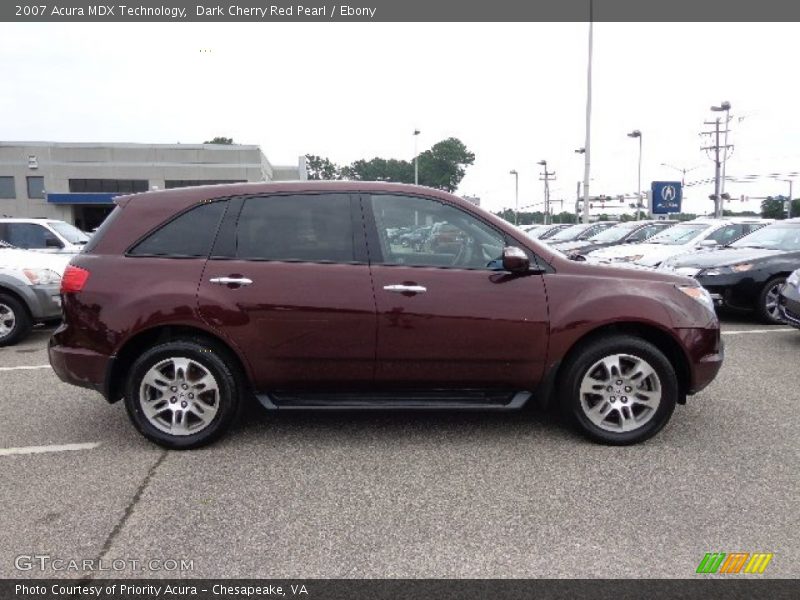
{"x":423,"y":232}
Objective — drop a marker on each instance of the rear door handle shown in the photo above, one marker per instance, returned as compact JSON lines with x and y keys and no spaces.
{"x":231,"y":280}
{"x":405,"y":289}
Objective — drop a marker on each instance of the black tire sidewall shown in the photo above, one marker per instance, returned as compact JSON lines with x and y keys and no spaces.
{"x":580,"y":363}
{"x":761,"y":308}
{"x":22,"y":321}
{"x":206,"y":355}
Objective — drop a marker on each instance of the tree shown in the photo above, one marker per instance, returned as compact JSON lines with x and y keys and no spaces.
{"x":318,"y":167}
{"x":380,"y":169}
{"x":795,"y":208}
{"x":220,"y":140}
{"x":444,"y":165}
{"x":772,"y":208}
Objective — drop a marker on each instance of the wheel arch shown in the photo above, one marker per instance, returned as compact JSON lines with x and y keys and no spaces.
{"x":660,"y":338}
{"x":135,"y":345}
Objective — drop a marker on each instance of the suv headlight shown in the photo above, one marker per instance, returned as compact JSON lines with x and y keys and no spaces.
{"x":42,"y":276}
{"x":698,"y":293}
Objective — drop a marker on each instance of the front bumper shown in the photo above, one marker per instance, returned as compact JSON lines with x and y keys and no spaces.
{"x":705,"y":350}
{"x":736,"y":291}
{"x":789,"y":305}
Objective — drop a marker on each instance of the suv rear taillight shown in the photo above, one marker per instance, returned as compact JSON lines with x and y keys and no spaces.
{"x":74,"y":279}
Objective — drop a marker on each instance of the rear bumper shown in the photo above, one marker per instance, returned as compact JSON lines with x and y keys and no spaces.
{"x":81,"y":367}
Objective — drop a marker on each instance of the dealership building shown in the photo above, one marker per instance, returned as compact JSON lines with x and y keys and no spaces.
{"x":77,"y":182}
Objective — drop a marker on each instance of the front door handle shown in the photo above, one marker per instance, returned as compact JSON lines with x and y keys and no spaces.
{"x":406,"y":289}
{"x":231,"y":280}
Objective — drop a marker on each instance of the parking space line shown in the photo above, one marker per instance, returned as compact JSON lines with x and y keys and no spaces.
{"x":757,"y":331}
{"x":43,"y":449}
{"x":25,"y":368}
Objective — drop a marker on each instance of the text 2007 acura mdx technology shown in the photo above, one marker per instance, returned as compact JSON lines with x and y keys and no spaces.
{"x":187,"y":303}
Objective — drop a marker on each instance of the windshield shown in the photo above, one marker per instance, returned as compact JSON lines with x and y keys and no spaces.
{"x":69,"y":232}
{"x":570,"y":233}
{"x":780,"y":236}
{"x":614,"y":234}
{"x":678,"y":234}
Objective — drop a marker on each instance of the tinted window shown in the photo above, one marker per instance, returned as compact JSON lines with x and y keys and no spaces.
{"x":189,"y":234}
{"x":35,"y":187}
{"x":7,"y":187}
{"x":30,"y":235}
{"x":311,"y":228}
{"x":441,"y":236}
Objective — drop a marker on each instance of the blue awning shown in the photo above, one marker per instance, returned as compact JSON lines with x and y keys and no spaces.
{"x":82,"y":198}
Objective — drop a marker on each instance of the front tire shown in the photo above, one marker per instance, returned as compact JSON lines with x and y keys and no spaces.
{"x":15,"y":322}
{"x":183,"y":394}
{"x":767,"y":303}
{"x":619,"y":390}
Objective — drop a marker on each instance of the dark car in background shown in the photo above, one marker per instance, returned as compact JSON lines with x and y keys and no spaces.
{"x":748,"y":274}
{"x":190,"y":302}
{"x":789,"y":299}
{"x":630,"y":232}
{"x":578,"y":232}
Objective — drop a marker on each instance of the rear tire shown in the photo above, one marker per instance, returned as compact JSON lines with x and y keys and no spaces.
{"x":619,"y":390}
{"x":15,"y":322}
{"x":767,"y":303}
{"x":183,"y":394}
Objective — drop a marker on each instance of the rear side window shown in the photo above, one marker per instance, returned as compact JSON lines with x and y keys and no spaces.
{"x":188,"y":235}
{"x":298,"y":227}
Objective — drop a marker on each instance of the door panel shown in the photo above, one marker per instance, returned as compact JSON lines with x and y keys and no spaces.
{"x":454,"y":322}
{"x":305,"y":317}
{"x":468,"y":329}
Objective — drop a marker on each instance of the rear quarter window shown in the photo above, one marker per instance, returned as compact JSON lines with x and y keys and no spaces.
{"x":188,"y":235}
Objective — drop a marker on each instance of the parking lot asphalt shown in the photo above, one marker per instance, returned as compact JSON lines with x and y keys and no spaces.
{"x":409,"y":494}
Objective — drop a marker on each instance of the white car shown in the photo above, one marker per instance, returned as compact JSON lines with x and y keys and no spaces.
{"x":30,"y":285}
{"x":47,"y":235}
{"x":683,"y":238}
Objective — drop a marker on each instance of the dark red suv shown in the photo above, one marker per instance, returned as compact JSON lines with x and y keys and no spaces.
{"x":189,"y":302}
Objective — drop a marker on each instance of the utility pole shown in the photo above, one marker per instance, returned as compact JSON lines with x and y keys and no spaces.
{"x":416,"y":161}
{"x":587,"y":143}
{"x":578,"y":204}
{"x":547,"y":177}
{"x":516,"y":195}
{"x":717,"y":197}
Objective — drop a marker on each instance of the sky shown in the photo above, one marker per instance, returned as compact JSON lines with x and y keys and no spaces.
{"x":514,"y":93}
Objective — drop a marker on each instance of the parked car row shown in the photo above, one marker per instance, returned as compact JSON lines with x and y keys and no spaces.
{"x":744,"y":263}
{"x":33,"y":256}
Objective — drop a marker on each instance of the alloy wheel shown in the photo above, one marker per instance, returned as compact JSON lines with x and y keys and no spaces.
{"x":771,"y":301}
{"x":7,"y":320}
{"x":179,"y":396}
{"x":620,"y":393}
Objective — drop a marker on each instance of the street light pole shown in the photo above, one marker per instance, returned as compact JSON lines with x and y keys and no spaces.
{"x":516,"y":195}
{"x":416,"y":161}
{"x":638,"y":134}
{"x":683,"y":172}
{"x":546,"y":178}
{"x":587,"y":143}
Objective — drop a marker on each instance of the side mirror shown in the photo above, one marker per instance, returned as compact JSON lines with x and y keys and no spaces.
{"x":708,"y":244}
{"x":515,"y":260}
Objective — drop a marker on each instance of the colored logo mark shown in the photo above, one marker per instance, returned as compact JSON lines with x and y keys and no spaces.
{"x":734,"y":562}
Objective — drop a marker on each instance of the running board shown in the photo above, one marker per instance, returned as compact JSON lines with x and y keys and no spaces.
{"x":430,"y":400}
